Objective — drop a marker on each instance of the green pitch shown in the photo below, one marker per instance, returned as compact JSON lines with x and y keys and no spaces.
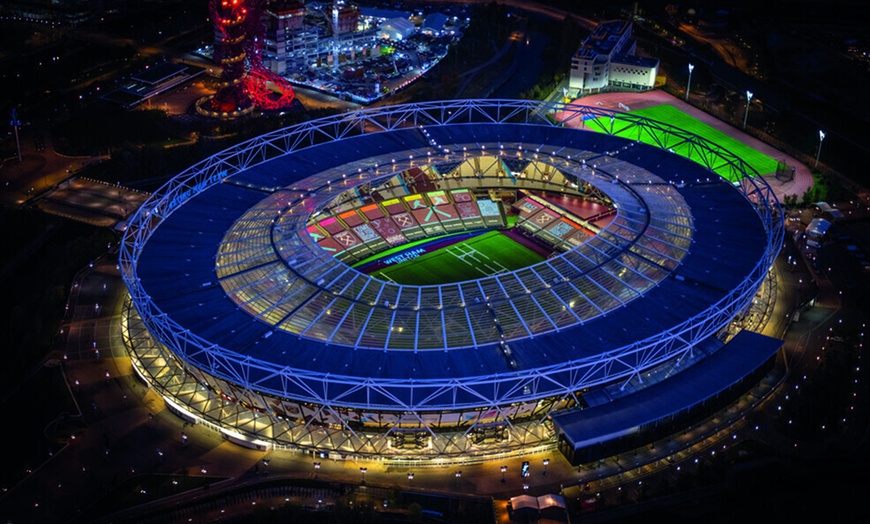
{"x":762,"y":163}
{"x":477,"y":257}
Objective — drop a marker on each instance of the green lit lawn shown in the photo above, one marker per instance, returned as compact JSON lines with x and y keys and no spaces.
{"x":476,"y":257}
{"x":671,"y":115}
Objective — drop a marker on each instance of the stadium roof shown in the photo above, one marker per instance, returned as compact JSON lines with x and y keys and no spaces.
{"x":744,"y":353}
{"x":232,"y":270}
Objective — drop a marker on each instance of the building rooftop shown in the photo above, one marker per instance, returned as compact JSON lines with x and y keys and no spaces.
{"x":435,"y":21}
{"x":818,"y":227}
{"x":159,"y":73}
{"x":383,"y":14}
{"x":603,"y":38}
{"x":634,"y":60}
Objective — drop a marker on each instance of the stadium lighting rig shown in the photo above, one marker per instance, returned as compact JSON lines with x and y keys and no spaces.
{"x":748,"y":101}
{"x":689,"y":84}
{"x":819,"y":152}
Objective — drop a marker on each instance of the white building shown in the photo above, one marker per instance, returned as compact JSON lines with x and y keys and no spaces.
{"x":397,"y":29}
{"x":633,"y":72}
{"x":606,"y":59}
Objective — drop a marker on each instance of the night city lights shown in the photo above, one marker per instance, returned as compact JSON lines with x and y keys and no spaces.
{"x":354,"y":261}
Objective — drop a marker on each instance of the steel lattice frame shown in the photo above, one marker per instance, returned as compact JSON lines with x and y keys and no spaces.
{"x":562,"y":379}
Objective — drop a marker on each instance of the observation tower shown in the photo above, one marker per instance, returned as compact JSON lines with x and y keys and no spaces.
{"x":244,"y":83}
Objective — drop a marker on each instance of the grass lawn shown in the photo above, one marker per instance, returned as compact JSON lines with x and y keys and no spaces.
{"x":671,"y":115}
{"x":476,"y":257}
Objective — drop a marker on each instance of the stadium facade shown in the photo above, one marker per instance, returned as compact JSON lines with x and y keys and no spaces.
{"x":246,"y":315}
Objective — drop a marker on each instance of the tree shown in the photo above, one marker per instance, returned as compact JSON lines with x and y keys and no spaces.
{"x":415,"y":512}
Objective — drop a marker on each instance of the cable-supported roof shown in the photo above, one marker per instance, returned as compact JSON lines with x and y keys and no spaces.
{"x":226,"y":275}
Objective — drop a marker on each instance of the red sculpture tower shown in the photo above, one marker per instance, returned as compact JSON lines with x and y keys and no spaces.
{"x":244,"y":83}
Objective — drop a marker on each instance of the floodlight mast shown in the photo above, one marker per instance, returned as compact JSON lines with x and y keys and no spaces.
{"x":689,"y":85}
{"x":819,"y":151}
{"x":748,"y":101}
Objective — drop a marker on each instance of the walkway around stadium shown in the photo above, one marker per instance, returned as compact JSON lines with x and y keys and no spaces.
{"x":134,"y":421}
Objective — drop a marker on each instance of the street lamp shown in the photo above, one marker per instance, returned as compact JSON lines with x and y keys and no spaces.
{"x":363,"y":473}
{"x":819,"y":152}
{"x":503,"y":469}
{"x":546,"y":463}
{"x":410,"y":478}
{"x":689,"y":85}
{"x":16,"y":123}
{"x":748,"y":100}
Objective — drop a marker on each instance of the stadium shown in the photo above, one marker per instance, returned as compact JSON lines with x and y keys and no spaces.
{"x":453,"y":280}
